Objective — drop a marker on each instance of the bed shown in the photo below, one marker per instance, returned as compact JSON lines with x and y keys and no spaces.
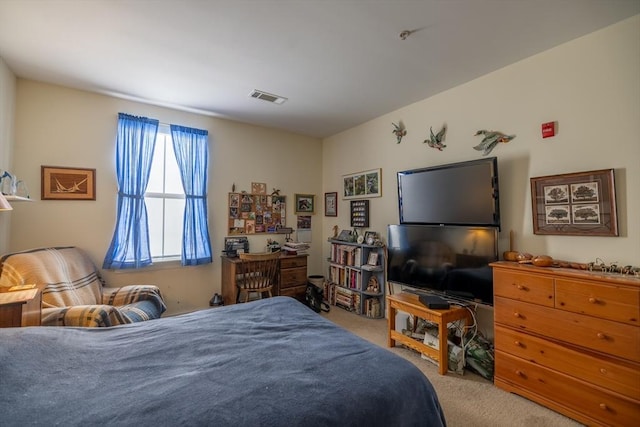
{"x":272,"y":362}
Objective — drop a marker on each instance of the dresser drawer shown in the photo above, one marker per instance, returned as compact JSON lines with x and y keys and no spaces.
{"x":605,"y":372}
{"x":582,"y":398}
{"x":293,"y":277}
{"x":605,"y":301}
{"x":530,"y":287}
{"x":601,"y":335}
{"x":293,"y":262}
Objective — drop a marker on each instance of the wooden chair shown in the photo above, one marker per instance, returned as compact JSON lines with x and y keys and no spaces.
{"x":257,"y":273}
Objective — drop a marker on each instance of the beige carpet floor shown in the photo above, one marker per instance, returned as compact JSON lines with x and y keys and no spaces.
{"x":467,"y":400}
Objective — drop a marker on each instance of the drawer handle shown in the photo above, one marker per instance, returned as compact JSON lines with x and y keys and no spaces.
{"x":522,"y":287}
{"x":518,"y":343}
{"x":601,"y":335}
{"x":516,"y":314}
{"x":603,"y":371}
{"x":593,"y":300}
{"x":604,"y":406}
{"x":519,"y":373}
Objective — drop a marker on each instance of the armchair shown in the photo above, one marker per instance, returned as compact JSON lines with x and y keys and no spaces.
{"x":73,"y":293}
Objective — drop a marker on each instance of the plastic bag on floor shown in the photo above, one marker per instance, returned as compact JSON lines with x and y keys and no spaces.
{"x":480,"y":356}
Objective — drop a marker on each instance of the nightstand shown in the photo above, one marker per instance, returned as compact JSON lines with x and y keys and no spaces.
{"x":20,"y":308}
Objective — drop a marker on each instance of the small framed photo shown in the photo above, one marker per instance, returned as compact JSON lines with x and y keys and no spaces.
{"x":304,"y":203}
{"x":331,"y":204}
{"x":373,"y":258}
{"x":575,"y":204}
{"x":370,"y":237}
{"x":64,"y":183}
{"x":258,"y":188}
{"x":345,"y":236}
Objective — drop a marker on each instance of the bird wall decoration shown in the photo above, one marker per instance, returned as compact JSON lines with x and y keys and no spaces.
{"x":490,"y":140}
{"x":399,"y":131}
{"x":435,"y":141}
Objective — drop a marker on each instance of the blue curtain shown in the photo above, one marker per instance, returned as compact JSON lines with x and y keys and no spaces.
{"x":135,"y":143}
{"x":192,"y":153}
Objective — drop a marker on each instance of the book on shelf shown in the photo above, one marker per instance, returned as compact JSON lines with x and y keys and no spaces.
{"x":373,"y":307}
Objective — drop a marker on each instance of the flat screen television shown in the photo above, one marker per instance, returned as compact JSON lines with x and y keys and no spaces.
{"x":464,"y":193}
{"x":449,"y":260}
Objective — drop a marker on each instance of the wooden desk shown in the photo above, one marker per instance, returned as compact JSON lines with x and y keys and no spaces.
{"x":409,"y":303}
{"x":291,"y":281}
{"x":20,"y":308}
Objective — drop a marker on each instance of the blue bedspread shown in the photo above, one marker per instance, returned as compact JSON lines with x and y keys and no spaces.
{"x":273,"y":362}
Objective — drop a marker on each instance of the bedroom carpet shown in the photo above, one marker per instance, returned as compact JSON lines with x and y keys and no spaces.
{"x":467,"y":400}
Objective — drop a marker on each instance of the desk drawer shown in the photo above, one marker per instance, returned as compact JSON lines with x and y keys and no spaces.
{"x":293,"y":277}
{"x":608,"y":373}
{"x":530,"y":287}
{"x":600,"y":335}
{"x":605,"y":301}
{"x":293,"y":262}
{"x":592,"y":401}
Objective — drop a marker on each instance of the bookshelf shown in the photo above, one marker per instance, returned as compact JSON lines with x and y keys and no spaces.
{"x":356,"y":278}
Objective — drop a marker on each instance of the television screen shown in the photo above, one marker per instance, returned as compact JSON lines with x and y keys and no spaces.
{"x":463,"y":193}
{"x":450,"y":260}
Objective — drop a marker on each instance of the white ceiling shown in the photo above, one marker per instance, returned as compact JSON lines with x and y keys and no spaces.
{"x":339,"y":62}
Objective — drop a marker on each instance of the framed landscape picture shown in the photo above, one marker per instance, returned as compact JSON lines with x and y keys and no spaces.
{"x":578,"y":204}
{"x":304,"y":203}
{"x":362,"y":184}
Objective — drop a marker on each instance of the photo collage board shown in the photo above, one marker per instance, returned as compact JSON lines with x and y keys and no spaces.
{"x":256,"y":213}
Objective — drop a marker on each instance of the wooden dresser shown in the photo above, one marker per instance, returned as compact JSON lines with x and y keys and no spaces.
{"x":292,"y":278}
{"x":569,"y":340}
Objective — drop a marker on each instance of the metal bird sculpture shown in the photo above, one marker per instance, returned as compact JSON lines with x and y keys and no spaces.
{"x":435,"y":141}
{"x":490,"y":140}
{"x":399,"y":131}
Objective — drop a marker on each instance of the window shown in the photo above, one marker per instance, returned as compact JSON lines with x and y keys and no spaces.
{"x":165,"y":200}
{"x":169,"y":177}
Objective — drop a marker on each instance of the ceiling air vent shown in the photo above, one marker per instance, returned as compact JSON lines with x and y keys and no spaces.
{"x":267,"y":97}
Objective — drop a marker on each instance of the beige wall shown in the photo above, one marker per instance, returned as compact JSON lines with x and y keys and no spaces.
{"x":7,"y":109}
{"x":591,"y":86}
{"x":64,"y":127}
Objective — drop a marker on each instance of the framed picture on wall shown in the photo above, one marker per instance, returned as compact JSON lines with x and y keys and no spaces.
{"x":65,"y":183}
{"x":304,"y":203}
{"x":331,"y":204}
{"x":362,"y":184}
{"x":578,"y":204}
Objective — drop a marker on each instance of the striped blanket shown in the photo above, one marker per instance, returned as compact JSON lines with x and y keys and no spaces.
{"x":73,"y":293}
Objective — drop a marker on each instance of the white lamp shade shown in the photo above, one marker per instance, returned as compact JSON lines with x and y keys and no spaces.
{"x":4,"y":204}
